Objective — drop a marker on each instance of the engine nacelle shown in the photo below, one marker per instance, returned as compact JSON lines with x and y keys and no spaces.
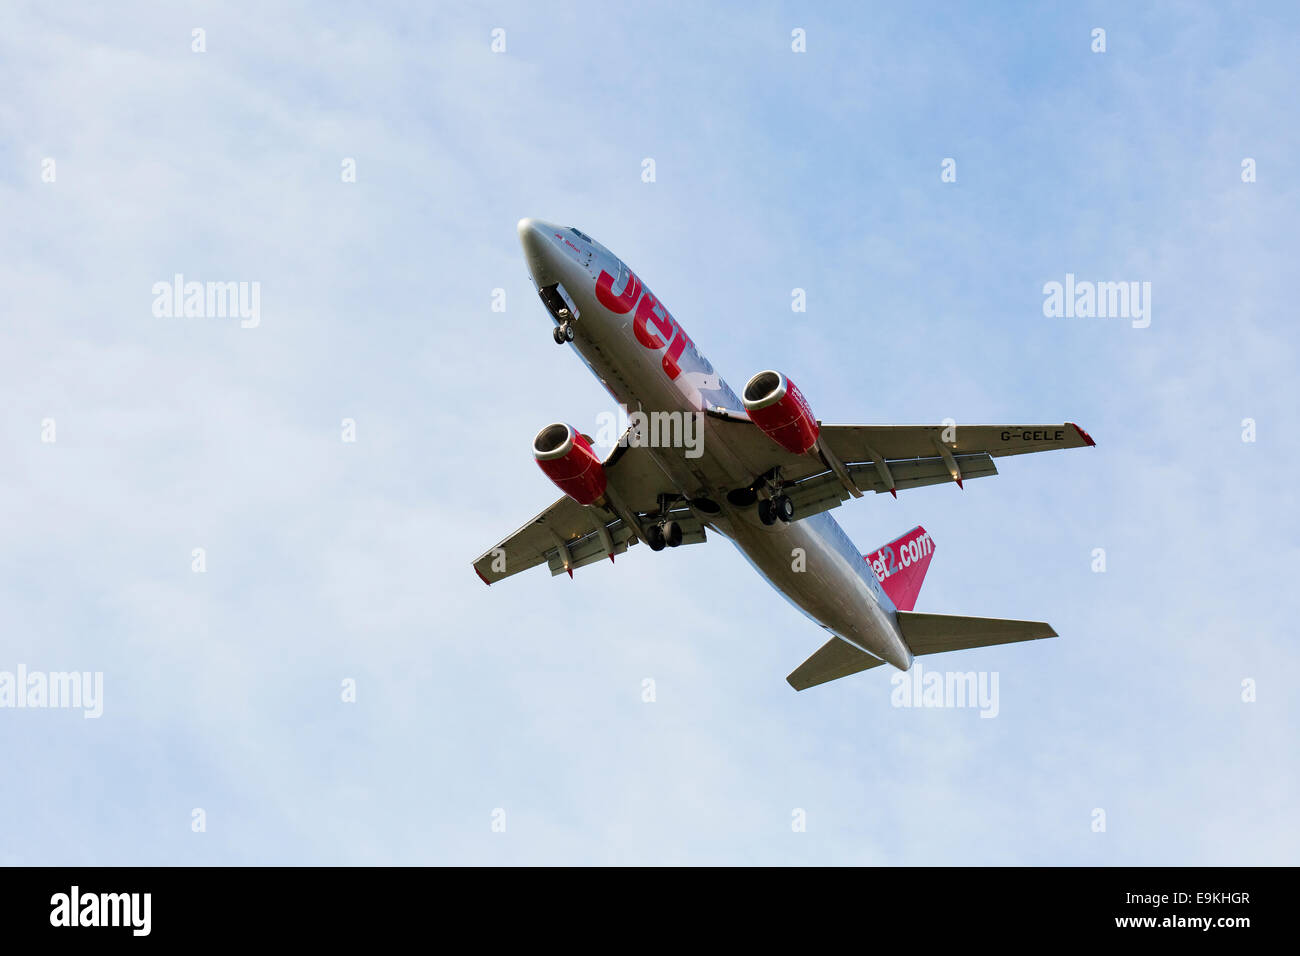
{"x":779,"y":408}
{"x":569,"y":460}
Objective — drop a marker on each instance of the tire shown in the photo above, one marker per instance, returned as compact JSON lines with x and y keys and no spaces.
{"x":766,"y":513}
{"x":568,"y":332}
{"x":654,"y":536}
{"x":672,"y":534}
{"x":784,"y":508}
{"x":557,"y":333}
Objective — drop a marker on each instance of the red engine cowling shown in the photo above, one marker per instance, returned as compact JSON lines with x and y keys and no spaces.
{"x":568,"y":460}
{"x":779,"y":408}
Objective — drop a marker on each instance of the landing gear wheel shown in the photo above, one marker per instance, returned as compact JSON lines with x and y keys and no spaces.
{"x":766,"y":513}
{"x":557,"y":333}
{"x":672,"y":534}
{"x":654,"y":536}
{"x":783,"y":508}
{"x":568,"y":332}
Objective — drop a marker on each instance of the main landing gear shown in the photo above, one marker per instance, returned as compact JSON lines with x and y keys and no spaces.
{"x":667,"y":534}
{"x":778,"y":508}
{"x":664,"y":533}
{"x":563,"y":332}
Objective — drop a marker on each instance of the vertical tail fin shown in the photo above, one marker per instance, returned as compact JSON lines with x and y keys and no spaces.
{"x":901,"y":566}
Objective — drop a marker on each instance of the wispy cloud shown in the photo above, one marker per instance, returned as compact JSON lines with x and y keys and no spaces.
{"x":329,"y":560}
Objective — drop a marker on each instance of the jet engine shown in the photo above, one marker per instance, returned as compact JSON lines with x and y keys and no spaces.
{"x":568,"y":460}
{"x":777,"y":407}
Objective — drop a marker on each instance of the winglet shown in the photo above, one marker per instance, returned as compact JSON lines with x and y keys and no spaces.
{"x":1082,"y":434}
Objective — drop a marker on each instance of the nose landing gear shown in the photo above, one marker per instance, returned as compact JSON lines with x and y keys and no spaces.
{"x":560,"y":305}
{"x":564,"y":331}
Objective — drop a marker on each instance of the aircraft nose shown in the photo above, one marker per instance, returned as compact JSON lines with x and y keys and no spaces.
{"x":535,"y":236}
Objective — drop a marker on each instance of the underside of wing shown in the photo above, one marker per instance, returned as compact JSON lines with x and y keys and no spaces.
{"x":568,"y":535}
{"x":564,"y":525}
{"x":889,"y":458}
{"x":859,"y":443}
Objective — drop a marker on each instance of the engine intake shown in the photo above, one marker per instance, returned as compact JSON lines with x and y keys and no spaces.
{"x":569,"y":460}
{"x":777,"y":407}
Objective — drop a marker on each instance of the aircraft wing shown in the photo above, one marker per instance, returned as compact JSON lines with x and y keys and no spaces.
{"x":894,"y":442}
{"x":568,"y":535}
{"x":876,"y":458}
{"x":891,"y":458}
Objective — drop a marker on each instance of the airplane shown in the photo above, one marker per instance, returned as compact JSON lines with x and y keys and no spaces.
{"x":764,"y":473}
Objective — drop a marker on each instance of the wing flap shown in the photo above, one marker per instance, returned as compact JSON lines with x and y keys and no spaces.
{"x":824,"y":492}
{"x":591,"y":549}
{"x":917,"y":472}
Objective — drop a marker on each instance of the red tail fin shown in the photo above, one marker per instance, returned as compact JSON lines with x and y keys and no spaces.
{"x":901,"y":566}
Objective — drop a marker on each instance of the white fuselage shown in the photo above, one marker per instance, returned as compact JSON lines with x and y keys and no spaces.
{"x":647,"y":363}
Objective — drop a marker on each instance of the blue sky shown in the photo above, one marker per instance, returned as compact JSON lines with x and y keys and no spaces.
{"x":820,"y":170}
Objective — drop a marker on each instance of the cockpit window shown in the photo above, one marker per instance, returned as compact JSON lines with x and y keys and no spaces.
{"x":579,"y":234}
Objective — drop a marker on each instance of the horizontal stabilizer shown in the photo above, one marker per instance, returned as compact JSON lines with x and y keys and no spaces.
{"x":835,"y":658}
{"x":925,"y":634}
{"x":936,"y":633}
